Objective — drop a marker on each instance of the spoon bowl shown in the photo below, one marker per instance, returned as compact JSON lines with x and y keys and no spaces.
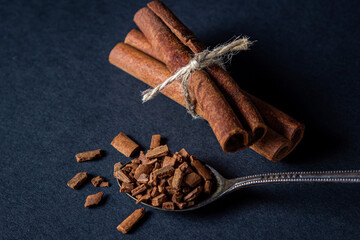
{"x":223,"y":186}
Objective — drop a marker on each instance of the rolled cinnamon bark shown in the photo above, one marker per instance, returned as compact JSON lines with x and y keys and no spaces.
{"x":279,"y":121}
{"x":152,"y":72}
{"x":203,"y":92}
{"x":276,"y":143}
{"x":246,"y":111}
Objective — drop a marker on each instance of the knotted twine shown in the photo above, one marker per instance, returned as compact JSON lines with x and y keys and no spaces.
{"x":218,"y":56}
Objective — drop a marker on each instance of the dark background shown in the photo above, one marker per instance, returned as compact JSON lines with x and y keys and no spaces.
{"x":60,"y":96}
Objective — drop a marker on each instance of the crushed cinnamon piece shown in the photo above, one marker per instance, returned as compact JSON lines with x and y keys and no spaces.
{"x":168,"y":205}
{"x":160,"y":151}
{"x":163,"y":179}
{"x":77,"y":180}
{"x":125,"y":145}
{"x":155,"y":141}
{"x":87,"y":156}
{"x":130,"y":221}
{"x":158,"y":200}
{"x":193,"y":194}
{"x":200,"y":168}
{"x":164,"y":172}
{"x":94,"y":199}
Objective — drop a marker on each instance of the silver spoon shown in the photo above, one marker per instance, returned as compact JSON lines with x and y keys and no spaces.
{"x":224,"y":186}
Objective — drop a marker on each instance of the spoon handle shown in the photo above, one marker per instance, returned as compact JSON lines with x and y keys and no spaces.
{"x":346,"y":176}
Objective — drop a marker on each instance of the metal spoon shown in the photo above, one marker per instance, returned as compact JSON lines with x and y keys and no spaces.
{"x":224,"y":186}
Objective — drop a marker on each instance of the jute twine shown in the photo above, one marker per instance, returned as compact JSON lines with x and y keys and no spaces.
{"x":218,"y":56}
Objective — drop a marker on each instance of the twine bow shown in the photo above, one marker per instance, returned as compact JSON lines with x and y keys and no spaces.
{"x":204,"y":59}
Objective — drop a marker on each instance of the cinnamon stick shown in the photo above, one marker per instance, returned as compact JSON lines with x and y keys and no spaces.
{"x":279,"y":121}
{"x":248,"y":113}
{"x":203,"y":93}
{"x":273,"y":146}
{"x":153,"y":72}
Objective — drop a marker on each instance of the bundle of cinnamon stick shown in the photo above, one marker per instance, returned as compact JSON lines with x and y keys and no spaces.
{"x":238,"y":119}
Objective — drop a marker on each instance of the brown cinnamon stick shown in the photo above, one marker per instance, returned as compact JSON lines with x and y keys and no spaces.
{"x":274,"y":146}
{"x":279,"y":121}
{"x":247,"y":111}
{"x":203,"y":93}
{"x":153,"y":72}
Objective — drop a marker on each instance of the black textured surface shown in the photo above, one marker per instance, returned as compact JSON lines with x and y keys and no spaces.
{"x":60,"y":96}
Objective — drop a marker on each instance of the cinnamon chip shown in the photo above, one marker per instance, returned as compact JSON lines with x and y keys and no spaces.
{"x":163,"y":179}
{"x":94,"y":199}
{"x":164,"y":172}
{"x":160,"y":151}
{"x":168,"y":161}
{"x":130,"y":221}
{"x":105,"y":184}
{"x":138,"y":190}
{"x":122,"y":176}
{"x":155,"y":141}
{"x":77,"y":180}
{"x":142,"y":169}
{"x":177,"y":179}
{"x":192,"y":179}
{"x":126,"y":187}
{"x":200,"y":168}
{"x":193,"y":194}
{"x":184,"y":154}
{"x":207,"y":187}
{"x":158,"y":200}
{"x":168,"y":205}
{"x":125,"y":145}
{"x":87,"y":156}
{"x":143,"y":178}
{"x":96,"y":181}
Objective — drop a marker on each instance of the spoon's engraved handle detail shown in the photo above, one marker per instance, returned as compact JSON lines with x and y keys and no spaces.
{"x":348,"y":176}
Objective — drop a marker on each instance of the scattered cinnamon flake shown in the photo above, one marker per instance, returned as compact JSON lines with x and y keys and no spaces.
{"x":130,"y":221}
{"x":94,"y":199}
{"x":105,"y":184}
{"x":96,"y":181}
{"x":77,"y":180}
{"x":87,"y":156}
{"x":125,"y":145}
